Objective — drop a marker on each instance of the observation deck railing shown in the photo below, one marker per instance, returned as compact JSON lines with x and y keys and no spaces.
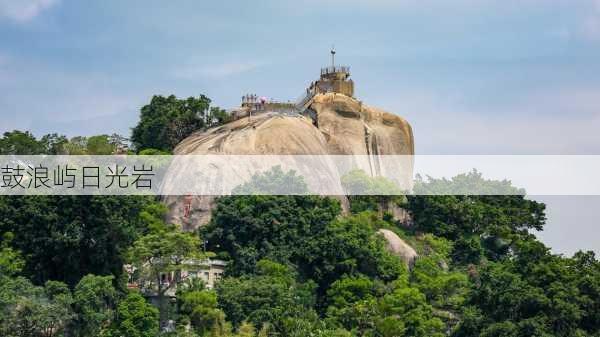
{"x":304,"y":98}
{"x":335,"y":69}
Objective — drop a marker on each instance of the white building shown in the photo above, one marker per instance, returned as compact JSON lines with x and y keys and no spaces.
{"x":209,"y":271}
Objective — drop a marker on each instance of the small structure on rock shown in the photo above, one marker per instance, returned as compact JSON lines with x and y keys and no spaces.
{"x":333,"y":79}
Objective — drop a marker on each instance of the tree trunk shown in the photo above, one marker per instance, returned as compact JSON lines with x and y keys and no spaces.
{"x":161,"y":304}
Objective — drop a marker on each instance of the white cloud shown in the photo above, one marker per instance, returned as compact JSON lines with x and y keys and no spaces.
{"x":24,"y":10}
{"x":217,"y":71}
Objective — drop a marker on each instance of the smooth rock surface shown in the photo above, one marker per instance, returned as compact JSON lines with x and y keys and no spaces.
{"x":398,"y":247}
{"x":334,"y":124}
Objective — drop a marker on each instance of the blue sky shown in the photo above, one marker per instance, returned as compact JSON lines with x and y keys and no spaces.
{"x":471,"y":76}
{"x":481,"y":76}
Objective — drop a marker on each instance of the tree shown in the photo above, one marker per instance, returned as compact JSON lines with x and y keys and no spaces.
{"x":94,"y":300}
{"x":158,"y":255}
{"x":218,"y":116}
{"x":349,"y":246}
{"x":199,"y":307}
{"x":11,"y":261}
{"x":101,"y":145}
{"x":370,"y":193}
{"x":246,"y":330}
{"x":443,"y":289}
{"x":67,"y":237}
{"x":25,"y":143}
{"x":302,"y":232}
{"x":369,"y":309}
{"x":271,"y":296}
{"x":406,"y":310}
{"x":351,"y":300}
{"x":135,"y":318}
{"x":119,"y":142}
{"x":30,"y":311}
{"x":534,"y":294}
{"x":168,"y":120}
{"x":273,"y":181}
{"x":54,"y":144}
{"x":253,"y":227}
{"x":494,"y":222}
{"x":76,"y":146}
{"x":471,"y":183}
{"x":153,"y":152}
{"x":587,"y":270}
{"x":20,"y":143}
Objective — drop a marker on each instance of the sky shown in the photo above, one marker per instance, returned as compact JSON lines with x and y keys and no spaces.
{"x":471,"y":76}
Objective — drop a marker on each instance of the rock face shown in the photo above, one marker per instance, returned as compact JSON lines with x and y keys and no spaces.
{"x":398,"y":247}
{"x":333,"y":124}
{"x":336,"y":124}
{"x":351,"y":127}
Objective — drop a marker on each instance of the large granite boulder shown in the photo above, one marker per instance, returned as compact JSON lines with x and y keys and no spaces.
{"x":333,"y":124}
{"x":398,"y":247}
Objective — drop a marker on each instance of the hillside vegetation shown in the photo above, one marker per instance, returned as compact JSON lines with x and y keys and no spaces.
{"x":297,"y":265}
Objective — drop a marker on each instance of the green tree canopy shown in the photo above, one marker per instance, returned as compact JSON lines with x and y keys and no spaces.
{"x":21,"y":143}
{"x":371,"y":193}
{"x":166,"y":121}
{"x":31,"y":311}
{"x":135,"y":318}
{"x":24,"y":143}
{"x":271,"y":296}
{"x":67,"y":237}
{"x":535,"y":294}
{"x":273,"y":182}
{"x":494,"y":222}
{"x":94,"y":300}
{"x":253,"y":227}
{"x":303,"y":232}
{"x":11,"y":261}
{"x":160,"y":253}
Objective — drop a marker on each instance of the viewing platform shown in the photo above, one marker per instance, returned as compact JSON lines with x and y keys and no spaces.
{"x":335,"y":70}
{"x":333,"y":79}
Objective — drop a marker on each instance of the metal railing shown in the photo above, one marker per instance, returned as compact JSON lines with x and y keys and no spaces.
{"x":335,"y":69}
{"x":304,"y":98}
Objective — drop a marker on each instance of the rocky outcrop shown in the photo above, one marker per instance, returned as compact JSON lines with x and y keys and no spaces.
{"x":351,"y":127}
{"x":266,"y":133}
{"x":398,"y":247}
{"x":333,"y":124}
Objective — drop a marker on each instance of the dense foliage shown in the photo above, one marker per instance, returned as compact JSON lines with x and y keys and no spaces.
{"x":166,"y":121}
{"x":302,"y":232}
{"x":67,"y":237}
{"x":24,"y":143}
{"x":297,"y":265}
{"x":479,"y":226}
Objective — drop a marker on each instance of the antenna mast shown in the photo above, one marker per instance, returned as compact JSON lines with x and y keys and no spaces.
{"x":333,"y":56}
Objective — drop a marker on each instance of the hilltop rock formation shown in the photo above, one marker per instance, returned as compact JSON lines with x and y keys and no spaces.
{"x":337,"y":124}
{"x":333,"y":124}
